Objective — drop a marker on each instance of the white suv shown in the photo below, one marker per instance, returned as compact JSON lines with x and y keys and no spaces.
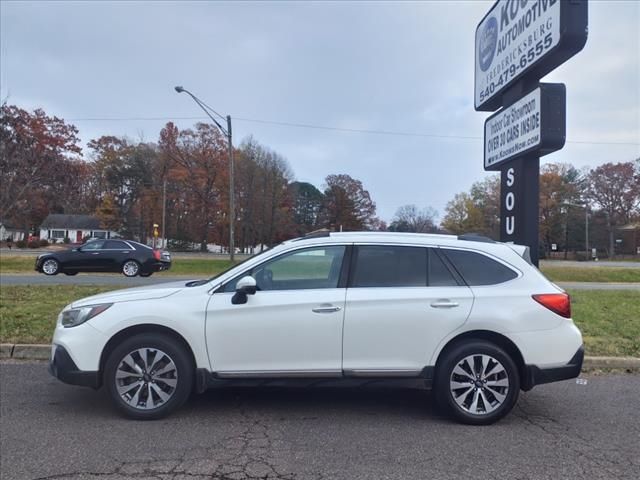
{"x":467,"y":316}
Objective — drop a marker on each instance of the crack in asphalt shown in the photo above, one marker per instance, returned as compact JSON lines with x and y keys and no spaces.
{"x":571,"y":440}
{"x":244,"y":456}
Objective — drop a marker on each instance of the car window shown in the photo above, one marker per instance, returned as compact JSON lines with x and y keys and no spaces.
{"x":478,"y":269}
{"x":116,"y":245}
{"x":97,"y":245}
{"x":303,"y":269}
{"x":390,"y":266}
{"x":439,"y":274}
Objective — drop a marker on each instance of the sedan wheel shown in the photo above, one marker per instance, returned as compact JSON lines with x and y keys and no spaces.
{"x":477,"y":382}
{"x":50,"y":266}
{"x":148,"y":376}
{"x":130,"y":268}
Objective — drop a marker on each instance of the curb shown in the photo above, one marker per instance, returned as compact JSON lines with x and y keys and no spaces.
{"x":43,"y":352}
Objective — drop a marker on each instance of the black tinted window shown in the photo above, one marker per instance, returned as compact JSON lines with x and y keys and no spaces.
{"x":390,"y":266}
{"x":115,"y":245}
{"x":96,"y":245}
{"x":439,"y":274}
{"x":478,"y":269}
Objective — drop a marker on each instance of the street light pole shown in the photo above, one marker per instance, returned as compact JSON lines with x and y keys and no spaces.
{"x":232,"y":193}
{"x":227,"y":133}
{"x":164,"y":213}
{"x":586,"y":224}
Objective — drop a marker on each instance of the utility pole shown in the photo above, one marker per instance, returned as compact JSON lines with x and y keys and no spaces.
{"x":164,"y":213}
{"x":232,"y":193}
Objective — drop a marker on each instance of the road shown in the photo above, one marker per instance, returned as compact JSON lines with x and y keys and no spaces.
{"x":121,"y":280}
{"x":565,"y":430}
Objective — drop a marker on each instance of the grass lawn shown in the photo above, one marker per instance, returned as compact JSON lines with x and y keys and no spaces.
{"x":592,"y":274}
{"x":609,"y":320}
{"x":28,"y":313}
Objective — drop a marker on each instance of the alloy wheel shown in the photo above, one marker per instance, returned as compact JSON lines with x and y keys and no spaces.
{"x":50,"y":267}
{"x":479,"y":384}
{"x":130,"y":268}
{"x":146,"y":378}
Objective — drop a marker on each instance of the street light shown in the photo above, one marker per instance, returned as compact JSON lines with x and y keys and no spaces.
{"x":227,"y":133}
{"x":586,"y":224}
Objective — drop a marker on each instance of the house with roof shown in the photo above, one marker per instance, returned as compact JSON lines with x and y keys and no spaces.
{"x":56,"y":227}
{"x":10,"y":231}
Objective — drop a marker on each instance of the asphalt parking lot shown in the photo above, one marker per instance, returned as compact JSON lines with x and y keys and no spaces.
{"x":559,"y":431}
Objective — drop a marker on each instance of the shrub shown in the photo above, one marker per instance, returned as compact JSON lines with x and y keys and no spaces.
{"x":21,"y":244}
{"x":33,"y":244}
{"x":66,"y":240}
{"x":44,"y":242}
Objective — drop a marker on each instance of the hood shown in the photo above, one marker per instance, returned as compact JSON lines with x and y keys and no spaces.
{"x":159,"y":290}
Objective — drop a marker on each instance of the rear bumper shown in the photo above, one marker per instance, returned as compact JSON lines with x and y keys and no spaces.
{"x":534,"y":375}
{"x":64,"y":369}
{"x":160,"y":266}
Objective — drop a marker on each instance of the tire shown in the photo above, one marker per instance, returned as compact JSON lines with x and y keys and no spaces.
{"x":130,"y":268}
{"x":169,"y":387}
{"x":50,"y":266}
{"x":71,"y":273}
{"x":145,"y":275}
{"x":494,"y":394}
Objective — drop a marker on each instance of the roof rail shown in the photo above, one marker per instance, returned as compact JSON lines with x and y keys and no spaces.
{"x":323,"y":232}
{"x":475,"y":237}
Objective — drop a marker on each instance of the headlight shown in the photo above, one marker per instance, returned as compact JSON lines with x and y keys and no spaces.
{"x":77,"y":316}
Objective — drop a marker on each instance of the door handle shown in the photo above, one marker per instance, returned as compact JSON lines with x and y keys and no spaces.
{"x":326,"y":309}
{"x":444,"y":304}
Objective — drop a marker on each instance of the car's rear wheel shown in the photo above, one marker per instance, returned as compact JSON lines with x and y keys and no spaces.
{"x":477,"y":382}
{"x":148,"y":376}
{"x":130,"y":268}
{"x":50,"y":266}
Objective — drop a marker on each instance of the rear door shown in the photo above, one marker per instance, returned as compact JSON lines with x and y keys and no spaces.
{"x":114,"y":255}
{"x":401,"y":302}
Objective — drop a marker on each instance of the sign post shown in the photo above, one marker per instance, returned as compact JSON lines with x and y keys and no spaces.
{"x":517,"y":43}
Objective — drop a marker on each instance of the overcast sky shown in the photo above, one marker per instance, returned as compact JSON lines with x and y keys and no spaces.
{"x":383,"y":66}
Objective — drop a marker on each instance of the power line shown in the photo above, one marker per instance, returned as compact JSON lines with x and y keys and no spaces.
{"x":324,"y":127}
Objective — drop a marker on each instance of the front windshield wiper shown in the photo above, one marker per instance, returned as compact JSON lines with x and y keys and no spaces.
{"x":195,"y":283}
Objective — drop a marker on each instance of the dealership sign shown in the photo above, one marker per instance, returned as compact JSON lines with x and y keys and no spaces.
{"x":519,"y":37}
{"x":535,"y":122}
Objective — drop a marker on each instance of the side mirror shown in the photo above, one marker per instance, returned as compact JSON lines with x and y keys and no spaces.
{"x":245,"y":286}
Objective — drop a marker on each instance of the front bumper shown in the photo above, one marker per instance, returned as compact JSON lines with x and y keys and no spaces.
{"x":64,"y":369}
{"x":534,"y":375}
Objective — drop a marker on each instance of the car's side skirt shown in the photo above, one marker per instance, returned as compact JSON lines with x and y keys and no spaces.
{"x":307,"y":379}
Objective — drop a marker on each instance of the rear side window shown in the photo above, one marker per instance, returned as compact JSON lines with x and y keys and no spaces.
{"x":478,"y":269}
{"x":439,"y":274}
{"x":390,"y":266}
{"x":116,"y":245}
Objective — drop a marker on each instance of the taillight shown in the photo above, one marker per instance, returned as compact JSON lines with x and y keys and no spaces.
{"x":559,"y":303}
{"x":157,"y":254}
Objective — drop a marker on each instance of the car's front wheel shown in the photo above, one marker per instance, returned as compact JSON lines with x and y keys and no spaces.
{"x":477,"y":382}
{"x":50,"y":266}
{"x":148,"y":376}
{"x":130,"y":268}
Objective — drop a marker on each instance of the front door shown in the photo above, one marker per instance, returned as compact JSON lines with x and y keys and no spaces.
{"x":87,"y":257}
{"x":292,"y":326}
{"x":79,"y":236}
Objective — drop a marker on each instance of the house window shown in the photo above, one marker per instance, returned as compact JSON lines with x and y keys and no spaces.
{"x":57,"y":234}
{"x":97,"y":234}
